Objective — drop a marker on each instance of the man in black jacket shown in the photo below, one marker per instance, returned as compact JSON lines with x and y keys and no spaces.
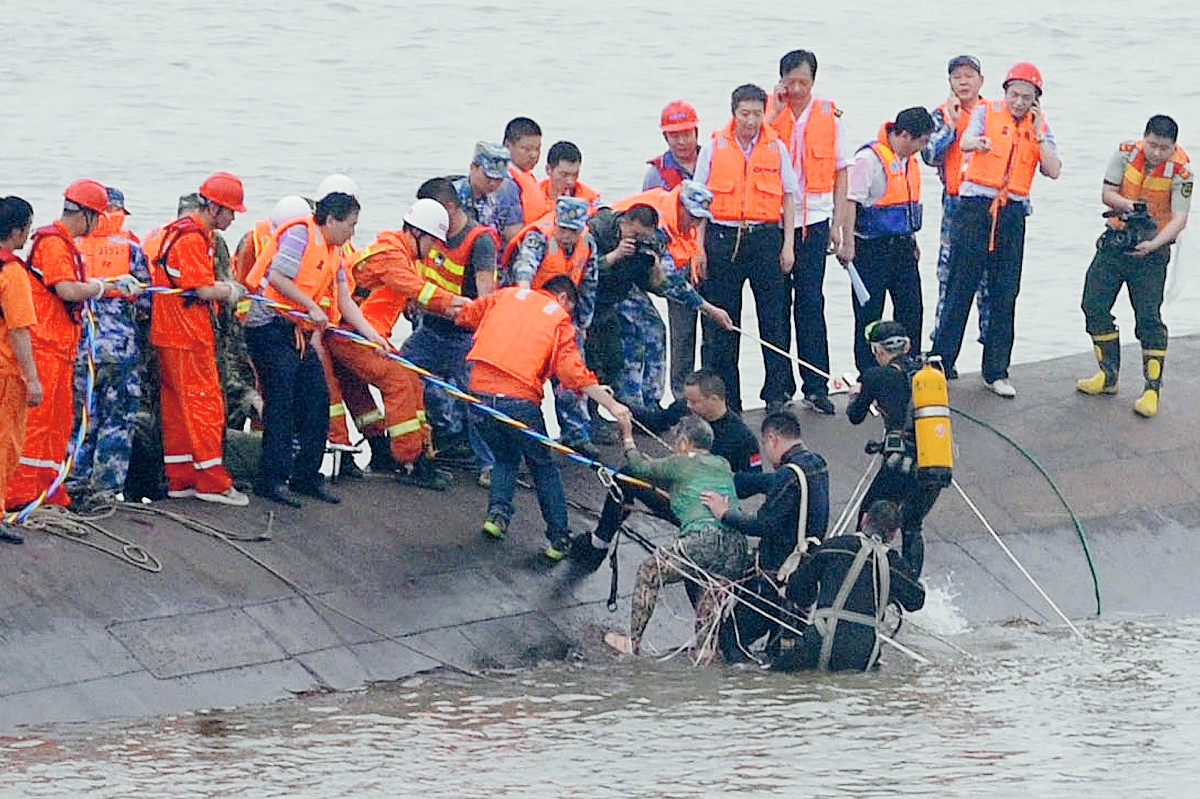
{"x":851,"y":579}
{"x":800,"y":482}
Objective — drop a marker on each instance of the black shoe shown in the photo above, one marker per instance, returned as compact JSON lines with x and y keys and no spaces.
{"x":382,"y":461}
{"x":776,"y":406}
{"x":278,"y":493}
{"x":350,"y":469}
{"x":9,"y":535}
{"x":425,"y":474}
{"x":819,"y":403}
{"x":586,"y":556}
{"x":951,"y":373}
{"x":318,"y":491}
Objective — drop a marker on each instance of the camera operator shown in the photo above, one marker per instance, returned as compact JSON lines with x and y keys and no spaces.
{"x":1148,"y":187}
{"x":627,"y":342}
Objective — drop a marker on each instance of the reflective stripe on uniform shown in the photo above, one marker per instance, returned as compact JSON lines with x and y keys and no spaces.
{"x":209,"y":463}
{"x":426,"y":293}
{"x":177,"y":458}
{"x":38,"y":464}
{"x":404,"y":428}
{"x":368,"y":418}
{"x":337,"y":409}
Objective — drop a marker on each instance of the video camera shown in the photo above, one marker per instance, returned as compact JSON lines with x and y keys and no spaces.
{"x":1136,"y":226}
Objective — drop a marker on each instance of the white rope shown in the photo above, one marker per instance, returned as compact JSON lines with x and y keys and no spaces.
{"x":798,"y":361}
{"x":856,"y":497}
{"x":1013,"y":558}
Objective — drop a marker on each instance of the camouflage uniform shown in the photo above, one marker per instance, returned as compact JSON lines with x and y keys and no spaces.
{"x":238,"y":380}
{"x":102,"y":460}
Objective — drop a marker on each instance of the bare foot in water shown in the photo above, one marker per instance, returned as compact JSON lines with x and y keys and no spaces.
{"x":619,"y":643}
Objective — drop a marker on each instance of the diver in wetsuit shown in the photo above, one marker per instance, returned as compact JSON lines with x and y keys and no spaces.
{"x":851,"y":579}
{"x":889,"y":386}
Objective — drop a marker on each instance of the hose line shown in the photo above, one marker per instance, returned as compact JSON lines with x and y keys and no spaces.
{"x":1083,"y":539}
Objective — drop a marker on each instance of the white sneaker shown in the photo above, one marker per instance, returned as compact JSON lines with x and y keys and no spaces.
{"x":183,"y":493}
{"x":231,"y":496}
{"x":1002,"y":388}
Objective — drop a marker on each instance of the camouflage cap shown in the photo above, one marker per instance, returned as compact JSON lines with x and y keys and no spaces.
{"x":492,"y":158}
{"x":696,"y":198}
{"x":116,"y":199}
{"x":571,"y":212}
{"x":190,"y":202}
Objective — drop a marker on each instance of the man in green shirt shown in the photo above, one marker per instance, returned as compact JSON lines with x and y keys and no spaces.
{"x":705,"y":547}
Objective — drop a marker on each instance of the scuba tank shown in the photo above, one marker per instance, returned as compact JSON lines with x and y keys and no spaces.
{"x":931,"y":423}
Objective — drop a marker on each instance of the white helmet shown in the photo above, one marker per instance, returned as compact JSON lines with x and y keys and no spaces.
{"x":429,"y":216}
{"x":289,"y":208}
{"x":338,"y":183}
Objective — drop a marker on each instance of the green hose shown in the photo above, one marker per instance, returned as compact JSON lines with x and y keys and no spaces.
{"x":1083,"y":539}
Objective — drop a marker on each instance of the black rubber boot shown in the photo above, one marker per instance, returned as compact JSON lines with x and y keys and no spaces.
{"x":381,"y":455}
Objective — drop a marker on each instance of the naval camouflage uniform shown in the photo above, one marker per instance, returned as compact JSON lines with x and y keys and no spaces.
{"x":102,"y":460}
{"x":238,"y":380}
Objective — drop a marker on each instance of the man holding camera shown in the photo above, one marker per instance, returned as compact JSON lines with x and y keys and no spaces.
{"x":1148,"y":187}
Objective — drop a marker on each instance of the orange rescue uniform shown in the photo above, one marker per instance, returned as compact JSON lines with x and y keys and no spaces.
{"x":181,"y":255}
{"x":542,"y":325}
{"x":53,"y":258}
{"x":16,"y":313}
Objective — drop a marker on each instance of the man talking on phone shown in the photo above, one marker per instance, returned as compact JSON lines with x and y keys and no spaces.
{"x":1007,"y":141}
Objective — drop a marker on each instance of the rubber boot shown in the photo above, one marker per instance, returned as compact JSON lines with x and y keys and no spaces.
{"x":1146,"y":405}
{"x":1108,"y":353}
{"x":381,"y":455}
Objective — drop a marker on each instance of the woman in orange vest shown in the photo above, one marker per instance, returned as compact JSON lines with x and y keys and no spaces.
{"x":20,"y":388}
{"x":302,"y":268}
{"x":1007,"y":142}
{"x":1154,"y":171}
{"x":182,"y":255}
{"x":511,"y":379}
{"x":885,"y":188}
{"x":811,"y":129}
{"x":114,"y":254}
{"x":59,"y":287}
{"x":950,"y":120}
{"x":750,"y":237}
{"x":464,"y":265}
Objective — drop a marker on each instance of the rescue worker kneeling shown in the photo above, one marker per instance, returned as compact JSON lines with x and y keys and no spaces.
{"x":706,"y":548}
{"x":851,"y":579}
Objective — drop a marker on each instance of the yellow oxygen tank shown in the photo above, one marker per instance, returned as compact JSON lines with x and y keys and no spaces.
{"x":931,"y":420}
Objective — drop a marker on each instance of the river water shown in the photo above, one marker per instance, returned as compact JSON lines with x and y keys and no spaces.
{"x":152,"y":97}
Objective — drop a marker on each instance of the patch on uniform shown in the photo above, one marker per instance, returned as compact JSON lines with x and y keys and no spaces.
{"x":1185,"y":189}
{"x":895,"y":167}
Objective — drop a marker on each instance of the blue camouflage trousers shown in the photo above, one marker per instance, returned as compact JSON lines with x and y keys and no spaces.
{"x":943,"y":274}
{"x":643,"y":352}
{"x":102,"y":461}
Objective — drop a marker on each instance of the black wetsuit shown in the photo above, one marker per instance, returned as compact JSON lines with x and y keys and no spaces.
{"x":819,"y":579}
{"x":775,"y":525}
{"x":890,"y":387}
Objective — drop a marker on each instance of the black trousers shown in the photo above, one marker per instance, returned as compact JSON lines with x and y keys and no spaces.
{"x":736,"y":255}
{"x":295,"y":406}
{"x":1145,"y":276}
{"x":888,"y":267}
{"x":808,"y":306}
{"x":969,"y":262}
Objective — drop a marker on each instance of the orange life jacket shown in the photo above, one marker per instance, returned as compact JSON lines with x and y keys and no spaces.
{"x":682,"y":246}
{"x":952,"y":161}
{"x":317,"y":278}
{"x":54,"y":314}
{"x":527,"y":316}
{"x":746,"y":191}
{"x":1014,"y":156}
{"x":898,"y":211}
{"x":175,"y":321}
{"x":447,"y":266}
{"x":1152,"y":187}
{"x":105,"y":250}
{"x":582,"y":190}
{"x":555,"y":261}
{"x":819,"y":158}
{"x":534,"y":204}
{"x":382,"y":304}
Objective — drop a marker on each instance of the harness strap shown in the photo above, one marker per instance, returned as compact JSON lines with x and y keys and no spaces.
{"x":826,"y":619}
{"x":792,"y":562}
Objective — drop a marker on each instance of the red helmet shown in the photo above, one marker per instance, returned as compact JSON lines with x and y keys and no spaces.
{"x":679,"y":115}
{"x":224,"y":189}
{"x":1027,"y":72}
{"x":88,"y":194}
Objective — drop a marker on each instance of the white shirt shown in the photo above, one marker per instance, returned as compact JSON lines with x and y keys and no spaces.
{"x":811,"y":207}
{"x":867,"y":181}
{"x":704,"y":166}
